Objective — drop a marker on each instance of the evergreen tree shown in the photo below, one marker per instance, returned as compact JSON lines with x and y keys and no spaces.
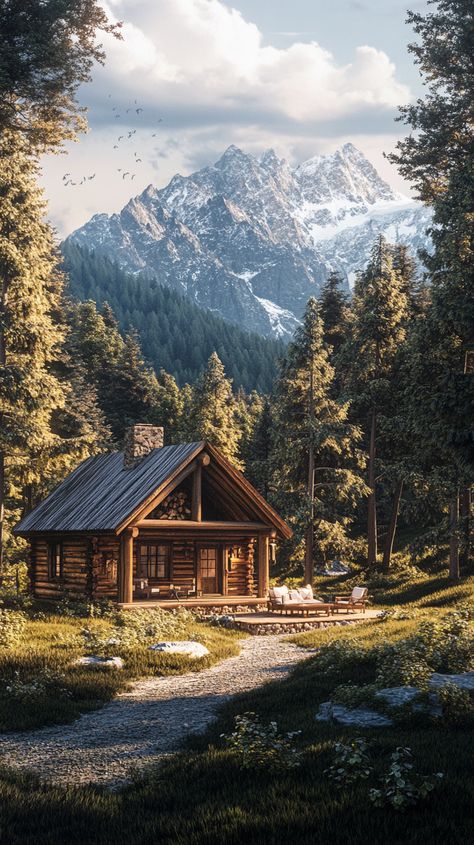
{"x":335,"y":313}
{"x":30,"y":335}
{"x":315,"y":448}
{"x":47,"y":51}
{"x":175,"y":334}
{"x":380,"y":311}
{"x":212,"y":413}
{"x":258,"y":448}
{"x":438,"y":157}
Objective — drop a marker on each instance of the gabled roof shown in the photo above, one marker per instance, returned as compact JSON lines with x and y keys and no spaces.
{"x":101,"y":495}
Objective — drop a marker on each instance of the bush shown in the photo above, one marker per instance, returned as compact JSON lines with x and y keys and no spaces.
{"x":402,"y":787}
{"x":458,"y":705}
{"x":12,"y":624}
{"x":351,"y":762}
{"x":39,"y":687}
{"x":352,"y":695}
{"x":256,"y":744}
{"x":444,"y":645}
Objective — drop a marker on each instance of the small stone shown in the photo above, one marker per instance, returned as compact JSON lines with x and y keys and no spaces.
{"x":188,"y":647}
{"x":100,"y":662}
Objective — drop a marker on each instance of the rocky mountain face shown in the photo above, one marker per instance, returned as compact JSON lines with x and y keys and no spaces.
{"x":252,"y":239}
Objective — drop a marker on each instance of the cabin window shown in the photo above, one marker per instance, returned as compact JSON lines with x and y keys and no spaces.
{"x":56,"y":560}
{"x":155,"y":561}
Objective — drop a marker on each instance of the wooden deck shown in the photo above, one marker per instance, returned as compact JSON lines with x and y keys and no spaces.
{"x":260,"y":621}
{"x":204,"y":601}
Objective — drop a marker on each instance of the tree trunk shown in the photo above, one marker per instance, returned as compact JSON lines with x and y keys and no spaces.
{"x":372,"y":505}
{"x":308,"y":563}
{"x":454,"y":539}
{"x":387,"y":554}
{"x":2,"y":511}
{"x":465,"y":519}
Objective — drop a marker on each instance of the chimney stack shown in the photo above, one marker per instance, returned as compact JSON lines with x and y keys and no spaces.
{"x":140,"y":440}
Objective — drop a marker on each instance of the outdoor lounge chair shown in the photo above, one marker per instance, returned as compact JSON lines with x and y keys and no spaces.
{"x":284,"y":600}
{"x":356,"y":600}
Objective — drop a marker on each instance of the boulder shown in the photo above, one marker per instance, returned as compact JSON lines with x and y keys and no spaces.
{"x":100,"y":662}
{"x":399,"y":696}
{"x":187,"y":647}
{"x":361,"y":717}
{"x":464,"y":681}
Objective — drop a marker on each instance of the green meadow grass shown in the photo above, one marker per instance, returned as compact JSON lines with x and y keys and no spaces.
{"x":201,"y":796}
{"x":55,"y":642}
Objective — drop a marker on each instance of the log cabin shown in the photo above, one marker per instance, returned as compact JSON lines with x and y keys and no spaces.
{"x":154,"y":525}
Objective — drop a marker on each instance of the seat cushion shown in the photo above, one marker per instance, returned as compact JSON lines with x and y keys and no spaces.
{"x":280,"y":595}
{"x":295,"y":595}
{"x":358,"y":593}
{"x":306,"y":593}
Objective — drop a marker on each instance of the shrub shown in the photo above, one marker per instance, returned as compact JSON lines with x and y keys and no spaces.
{"x":351,"y":762}
{"x":256,"y":744}
{"x":352,"y":695}
{"x":12,"y":625}
{"x":83,"y":608}
{"x":402,"y":787}
{"x":457,"y":704}
{"x":45,"y":682}
{"x":444,"y":645}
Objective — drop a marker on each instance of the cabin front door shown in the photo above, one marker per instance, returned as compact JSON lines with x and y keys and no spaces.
{"x":207,"y":563}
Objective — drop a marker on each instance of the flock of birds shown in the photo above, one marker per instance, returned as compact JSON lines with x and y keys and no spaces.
{"x":69,"y":181}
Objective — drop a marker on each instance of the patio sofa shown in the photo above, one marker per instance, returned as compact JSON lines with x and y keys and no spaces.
{"x":285,"y":600}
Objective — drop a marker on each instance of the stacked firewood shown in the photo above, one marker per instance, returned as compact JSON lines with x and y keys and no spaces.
{"x":175,"y":506}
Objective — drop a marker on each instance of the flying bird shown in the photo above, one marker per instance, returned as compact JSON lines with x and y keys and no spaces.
{"x":66,"y":175}
{"x":133,"y":176}
{"x":137,"y":160}
{"x":92,"y":177}
{"x":127,"y":173}
{"x":115,"y":146}
{"x":138,"y":110}
{"x":116,"y":116}
{"x":119,"y":137}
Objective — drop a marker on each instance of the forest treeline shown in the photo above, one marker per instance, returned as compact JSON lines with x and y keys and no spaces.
{"x":175,"y":334}
{"x":370,"y":418}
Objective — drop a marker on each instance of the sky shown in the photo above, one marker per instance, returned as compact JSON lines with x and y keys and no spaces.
{"x":192,"y":77}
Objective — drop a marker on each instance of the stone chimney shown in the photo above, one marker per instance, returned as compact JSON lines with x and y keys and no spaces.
{"x":140,"y":440}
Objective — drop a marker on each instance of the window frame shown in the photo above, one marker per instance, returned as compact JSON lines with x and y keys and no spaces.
{"x":53,"y":557}
{"x":149,"y":544}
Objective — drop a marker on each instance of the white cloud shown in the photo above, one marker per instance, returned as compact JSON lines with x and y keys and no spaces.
{"x":203,"y":53}
{"x":206,"y":70}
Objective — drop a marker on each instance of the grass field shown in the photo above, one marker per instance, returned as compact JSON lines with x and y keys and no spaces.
{"x":203,"y":796}
{"x":47,"y":648}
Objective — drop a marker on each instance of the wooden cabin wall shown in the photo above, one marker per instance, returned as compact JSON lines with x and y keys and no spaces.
{"x":240,"y":580}
{"x":75,"y":568}
{"x":105,"y":561}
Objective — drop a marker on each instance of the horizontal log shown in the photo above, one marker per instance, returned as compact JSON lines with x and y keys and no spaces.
{"x":205,"y":526}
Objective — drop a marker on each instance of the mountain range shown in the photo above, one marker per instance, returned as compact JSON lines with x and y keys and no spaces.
{"x":251,"y":239}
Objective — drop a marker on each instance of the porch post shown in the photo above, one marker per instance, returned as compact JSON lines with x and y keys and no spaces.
{"x":263,"y":566}
{"x":125,"y":581}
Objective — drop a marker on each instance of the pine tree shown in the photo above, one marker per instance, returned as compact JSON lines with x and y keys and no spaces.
{"x":32,"y":397}
{"x":335,"y":313}
{"x":437,"y":157}
{"x":47,"y":52}
{"x":212,"y":414}
{"x":315,"y":448}
{"x":258,"y":448}
{"x":380,"y":310}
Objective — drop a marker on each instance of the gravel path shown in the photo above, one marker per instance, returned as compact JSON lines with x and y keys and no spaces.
{"x":148,"y":721}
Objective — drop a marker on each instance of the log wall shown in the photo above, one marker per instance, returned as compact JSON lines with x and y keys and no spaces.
{"x":75,"y":569}
{"x":90,"y":566}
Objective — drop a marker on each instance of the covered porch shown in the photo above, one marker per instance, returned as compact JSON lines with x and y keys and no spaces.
{"x":194,"y":564}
